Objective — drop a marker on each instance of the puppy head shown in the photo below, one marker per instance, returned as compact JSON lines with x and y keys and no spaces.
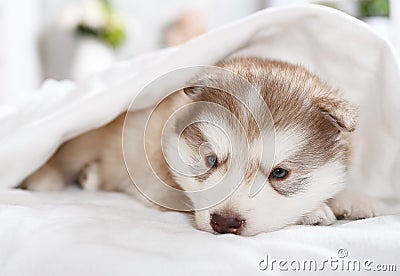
{"x":294,"y":150}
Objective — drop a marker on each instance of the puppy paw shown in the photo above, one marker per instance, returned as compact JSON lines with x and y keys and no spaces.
{"x":89,"y":177}
{"x":352,"y":205}
{"x":320,"y":216}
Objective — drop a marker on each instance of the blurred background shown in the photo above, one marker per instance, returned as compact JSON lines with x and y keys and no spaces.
{"x":72,"y":39}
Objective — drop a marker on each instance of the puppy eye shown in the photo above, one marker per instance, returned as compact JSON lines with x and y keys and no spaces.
{"x":212,"y":161}
{"x":279,"y":174}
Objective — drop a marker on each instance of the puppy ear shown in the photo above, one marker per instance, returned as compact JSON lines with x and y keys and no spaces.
{"x":340,"y":112}
{"x":193,"y":91}
{"x":197,"y":85}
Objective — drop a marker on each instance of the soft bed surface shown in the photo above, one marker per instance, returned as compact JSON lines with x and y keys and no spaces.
{"x":81,"y":233}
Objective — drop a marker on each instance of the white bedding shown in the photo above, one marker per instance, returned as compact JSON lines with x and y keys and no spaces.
{"x":81,"y":233}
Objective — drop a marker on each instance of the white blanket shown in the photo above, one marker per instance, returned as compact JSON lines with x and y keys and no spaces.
{"x":78,"y":233}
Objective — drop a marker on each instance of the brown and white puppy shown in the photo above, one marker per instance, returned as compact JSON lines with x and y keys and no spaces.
{"x":226,"y":142}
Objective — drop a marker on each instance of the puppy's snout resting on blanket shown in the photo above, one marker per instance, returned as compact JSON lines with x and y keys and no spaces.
{"x":255,"y":124}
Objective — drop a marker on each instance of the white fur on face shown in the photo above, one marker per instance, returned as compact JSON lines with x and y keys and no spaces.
{"x":287,"y":143}
{"x":268,"y":210}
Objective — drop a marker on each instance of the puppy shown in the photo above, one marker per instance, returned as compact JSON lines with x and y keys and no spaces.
{"x":254,"y":146}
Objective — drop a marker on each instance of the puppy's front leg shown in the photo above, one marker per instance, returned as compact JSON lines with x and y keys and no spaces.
{"x":349,"y":204}
{"x":323,"y":215}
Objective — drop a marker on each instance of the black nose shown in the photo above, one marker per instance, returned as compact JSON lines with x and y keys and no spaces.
{"x":226,"y":224}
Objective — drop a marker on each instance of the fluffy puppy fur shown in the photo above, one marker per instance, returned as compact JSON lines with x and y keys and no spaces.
{"x":304,"y":177}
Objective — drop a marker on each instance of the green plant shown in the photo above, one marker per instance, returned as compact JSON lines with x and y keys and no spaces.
{"x":374,"y":8}
{"x":366,"y":8}
{"x":111,"y":32}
